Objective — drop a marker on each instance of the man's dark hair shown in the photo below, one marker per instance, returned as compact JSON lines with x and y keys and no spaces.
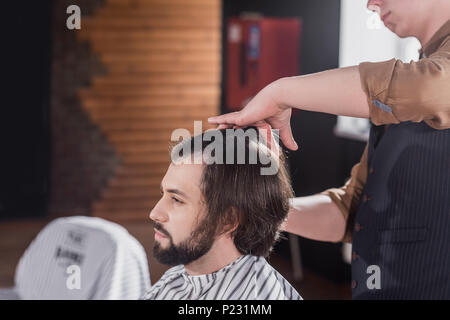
{"x":238,"y":194}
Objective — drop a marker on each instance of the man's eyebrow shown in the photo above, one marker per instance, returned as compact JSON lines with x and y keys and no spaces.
{"x":176,"y":191}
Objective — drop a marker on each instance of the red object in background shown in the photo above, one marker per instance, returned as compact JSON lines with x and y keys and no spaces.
{"x":259,"y":51}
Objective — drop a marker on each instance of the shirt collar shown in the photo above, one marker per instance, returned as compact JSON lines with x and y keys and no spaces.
{"x":202,"y":283}
{"x":435,"y":41}
{"x":205,"y":278}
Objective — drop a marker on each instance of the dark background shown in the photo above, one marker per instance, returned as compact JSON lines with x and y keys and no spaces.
{"x":24,"y":113}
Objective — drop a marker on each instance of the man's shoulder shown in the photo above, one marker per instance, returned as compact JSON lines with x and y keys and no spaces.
{"x":270,"y":284}
{"x":262,"y":268}
{"x":168,"y":276}
{"x":172,"y":272}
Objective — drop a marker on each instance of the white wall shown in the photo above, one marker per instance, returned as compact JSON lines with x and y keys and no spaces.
{"x":363,"y":37}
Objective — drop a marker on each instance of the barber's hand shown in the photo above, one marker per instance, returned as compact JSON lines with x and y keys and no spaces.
{"x":262,"y":107}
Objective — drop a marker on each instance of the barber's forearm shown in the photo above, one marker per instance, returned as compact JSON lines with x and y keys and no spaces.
{"x":335,"y":91}
{"x":315,"y":217}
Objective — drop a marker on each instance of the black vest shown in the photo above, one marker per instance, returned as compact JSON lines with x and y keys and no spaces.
{"x":402,"y":226}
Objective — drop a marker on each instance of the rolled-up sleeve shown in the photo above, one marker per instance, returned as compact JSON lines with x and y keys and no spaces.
{"x":347,"y":197}
{"x":415,"y":91}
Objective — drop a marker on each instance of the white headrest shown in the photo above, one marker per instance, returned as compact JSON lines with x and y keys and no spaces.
{"x":83,"y":258}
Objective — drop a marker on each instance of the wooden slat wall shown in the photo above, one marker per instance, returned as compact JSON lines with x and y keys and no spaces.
{"x":163,"y":62}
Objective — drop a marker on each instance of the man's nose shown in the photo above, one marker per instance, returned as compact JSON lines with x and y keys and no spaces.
{"x":374,"y":5}
{"x":158,"y":213}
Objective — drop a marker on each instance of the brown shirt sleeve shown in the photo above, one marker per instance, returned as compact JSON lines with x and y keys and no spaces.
{"x":416,"y":91}
{"x":347,"y":197}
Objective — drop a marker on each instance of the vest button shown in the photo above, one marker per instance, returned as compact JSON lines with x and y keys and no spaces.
{"x":371,"y":170}
{"x":357,"y":227}
{"x":354,"y":284}
{"x":354,"y":256}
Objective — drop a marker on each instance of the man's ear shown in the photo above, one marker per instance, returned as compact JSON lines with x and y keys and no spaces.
{"x":231,"y":221}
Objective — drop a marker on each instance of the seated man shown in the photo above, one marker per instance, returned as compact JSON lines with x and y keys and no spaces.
{"x":218,"y":218}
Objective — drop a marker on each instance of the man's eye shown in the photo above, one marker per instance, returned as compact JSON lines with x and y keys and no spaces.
{"x":176,"y":200}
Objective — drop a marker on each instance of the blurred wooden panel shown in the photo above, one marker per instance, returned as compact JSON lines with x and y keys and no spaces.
{"x":163,"y":62}
{"x":159,"y":10}
{"x":160,"y":57}
{"x":110,"y":23}
{"x":183,"y":45}
{"x":180,"y":3}
{"x":151,"y":35}
{"x":125,"y":216}
{"x":142,"y":148}
{"x":149,"y":136}
{"x":111,"y":125}
{"x":127,"y":204}
{"x":92,"y":102}
{"x":135,"y":182}
{"x":158,"y":78}
{"x":149,"y":114}
{"x":141,"y":170}
{"x":174,"y":91}
{"x":146,"y":159}
{"x":126,"y":193}
{"x":136,"y":68}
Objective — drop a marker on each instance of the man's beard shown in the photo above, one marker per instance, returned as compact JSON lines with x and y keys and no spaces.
{"x":191,"y":249}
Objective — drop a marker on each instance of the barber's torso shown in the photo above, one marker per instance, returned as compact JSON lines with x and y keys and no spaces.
{"x":401,"y":237}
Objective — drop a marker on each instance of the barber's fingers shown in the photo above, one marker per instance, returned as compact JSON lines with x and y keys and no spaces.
{"x":228,"y":118}
{"x":262,"y":124}
{"x":224,"y":126}
{"x":287,"y":137}
{"x":233,"y":126}
{"x":285,"y":134}
{"x":265,"y":130}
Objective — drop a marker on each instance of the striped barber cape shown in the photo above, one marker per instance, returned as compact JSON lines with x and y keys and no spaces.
{"x":247,"y":278}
